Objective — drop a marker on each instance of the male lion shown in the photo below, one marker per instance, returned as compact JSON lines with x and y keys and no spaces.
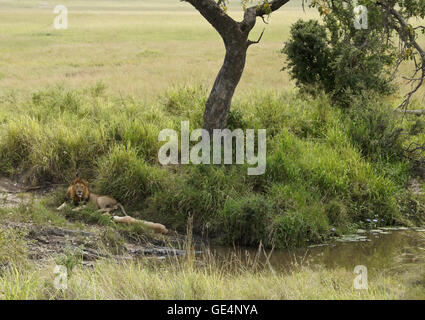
{"x":80,"y":194}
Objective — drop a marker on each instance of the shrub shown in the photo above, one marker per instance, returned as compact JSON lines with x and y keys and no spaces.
{"x":338,"y":59}
{"x":309,"y":55}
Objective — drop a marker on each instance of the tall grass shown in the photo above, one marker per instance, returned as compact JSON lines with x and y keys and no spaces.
{"x":322,"y":178}
{"x":205,"y":278}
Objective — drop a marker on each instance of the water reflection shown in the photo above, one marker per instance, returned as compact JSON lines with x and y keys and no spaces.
{"x":384,"y":251}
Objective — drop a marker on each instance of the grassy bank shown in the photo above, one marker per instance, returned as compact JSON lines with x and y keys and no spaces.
{"x":328,"y":171}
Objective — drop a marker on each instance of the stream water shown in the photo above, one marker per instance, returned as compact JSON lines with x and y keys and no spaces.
{"x":381,"y":250}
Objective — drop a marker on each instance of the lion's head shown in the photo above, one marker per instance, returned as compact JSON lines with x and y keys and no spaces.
{"x":79,"y":190}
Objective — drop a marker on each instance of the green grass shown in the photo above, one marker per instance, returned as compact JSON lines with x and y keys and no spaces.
{"x":322,"y":176}
{"x":126,"y":45}
{"x":326,"y":169}
{"x":135,"y":281}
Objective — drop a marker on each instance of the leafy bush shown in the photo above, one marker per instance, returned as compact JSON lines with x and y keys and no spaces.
{"x":309,"y":55}
{"x":338,"y":59}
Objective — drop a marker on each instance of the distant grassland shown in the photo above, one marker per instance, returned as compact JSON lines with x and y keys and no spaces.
{"x":138,"y":47}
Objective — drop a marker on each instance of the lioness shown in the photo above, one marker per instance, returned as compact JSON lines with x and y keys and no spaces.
{"x":80,"y":194}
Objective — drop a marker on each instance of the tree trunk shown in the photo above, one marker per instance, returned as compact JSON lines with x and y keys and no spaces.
{"x":218,"y":104}
{"x":235,"y":37}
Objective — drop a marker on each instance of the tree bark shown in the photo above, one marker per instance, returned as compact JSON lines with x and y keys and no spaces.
{"x":235,"y":37}
{"x":217,"y":107}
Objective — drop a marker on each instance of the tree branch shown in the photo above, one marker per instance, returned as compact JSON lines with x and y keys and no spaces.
{"x":274,"y":5}
{"x":405,"y":26}
{"x":250,"y":42}
{"x":408,"y":38}
{"x":260,"y":11}
{"x":415,"y":112}
{"x":212,"y":12}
